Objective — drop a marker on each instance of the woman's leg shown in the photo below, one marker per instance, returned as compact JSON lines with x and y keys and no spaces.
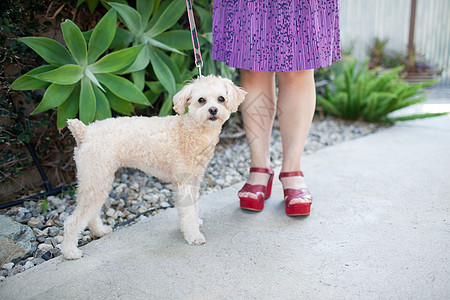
{"x":296,"y":105}
{"x":258,"y":111}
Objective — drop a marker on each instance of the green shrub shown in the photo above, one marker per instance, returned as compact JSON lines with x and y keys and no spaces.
{"x":162,"y":27}
{"x":53,"y":147}
{"x":147,"y":26}
{"x":77,"y":84}
{"x":358,"y":93}
{"x":75,"y":80}
{"x":381,"y":56}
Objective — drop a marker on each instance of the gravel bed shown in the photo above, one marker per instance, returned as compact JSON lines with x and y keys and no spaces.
{"x":136,"y":196}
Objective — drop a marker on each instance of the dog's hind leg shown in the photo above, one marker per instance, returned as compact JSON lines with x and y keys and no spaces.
{"x":94,"y":185}
{"x":97,"y":227}
{"x":186,"y":204}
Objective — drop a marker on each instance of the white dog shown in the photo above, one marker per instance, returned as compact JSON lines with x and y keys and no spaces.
{"x":175,"y":149}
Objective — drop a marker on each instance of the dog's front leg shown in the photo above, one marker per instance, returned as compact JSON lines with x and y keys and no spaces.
{"x":196,"y":184}
{"x":186,"y":203}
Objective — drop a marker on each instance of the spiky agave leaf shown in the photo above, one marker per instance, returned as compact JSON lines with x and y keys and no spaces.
{"x":71,"y":78}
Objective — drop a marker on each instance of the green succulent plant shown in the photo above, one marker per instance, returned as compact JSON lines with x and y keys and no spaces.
{"x":76,"y":80}
{"x":358,"y":93}
{"x":150,"y":25}
{"x":154,"y":24}
{"x":146,"y":26}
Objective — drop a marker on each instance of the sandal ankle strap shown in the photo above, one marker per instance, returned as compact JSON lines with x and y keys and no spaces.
{"x":261,"y":170}
{"x":291,"y":174}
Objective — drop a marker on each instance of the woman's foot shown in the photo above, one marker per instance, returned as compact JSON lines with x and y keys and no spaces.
{"x":254,"y":179}
{"x":296,"y":182}
{"x":297,"y":197}
{"x":257,"y":189}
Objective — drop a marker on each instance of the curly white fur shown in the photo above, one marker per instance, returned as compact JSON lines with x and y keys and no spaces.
{"x":175,"y":149}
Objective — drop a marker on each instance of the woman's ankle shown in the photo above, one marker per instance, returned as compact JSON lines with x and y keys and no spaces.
{"x":294,"y":182}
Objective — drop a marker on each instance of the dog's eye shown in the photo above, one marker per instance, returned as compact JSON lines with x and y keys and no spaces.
{"x":221,"y":99}
{"x":201,"y":100}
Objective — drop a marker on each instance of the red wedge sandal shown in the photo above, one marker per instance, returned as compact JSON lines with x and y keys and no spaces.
{"x":262,"y":191}
{"x":297,"y":209}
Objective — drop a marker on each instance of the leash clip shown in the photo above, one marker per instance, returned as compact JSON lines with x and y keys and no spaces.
{"x":199,"y":65}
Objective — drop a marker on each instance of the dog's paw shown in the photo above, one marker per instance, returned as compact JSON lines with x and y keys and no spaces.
{"x":101,"y":231}
{"x":200,"y":240}
{"x":71,"y":253}
{"x":197,"y":239}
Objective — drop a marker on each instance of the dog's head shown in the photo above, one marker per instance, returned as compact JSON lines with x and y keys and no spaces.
{"x":210,"y":100}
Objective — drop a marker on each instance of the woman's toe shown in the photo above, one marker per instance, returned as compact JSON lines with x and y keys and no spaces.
{"x":300,"y":200}
{"x":248,"y":195}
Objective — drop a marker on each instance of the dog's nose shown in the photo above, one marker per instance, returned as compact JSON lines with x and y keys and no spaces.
{"x":213,"y":110}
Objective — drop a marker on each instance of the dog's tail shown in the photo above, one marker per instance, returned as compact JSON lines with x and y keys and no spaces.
{"x":78,"y":130}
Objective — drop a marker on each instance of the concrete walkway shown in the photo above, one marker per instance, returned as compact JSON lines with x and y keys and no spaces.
{"x":379,"y":228}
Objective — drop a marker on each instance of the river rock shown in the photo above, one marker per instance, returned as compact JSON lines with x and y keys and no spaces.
{"x":16,"y":240}
{"x":8,"y":266}
{"x":35,"y":222}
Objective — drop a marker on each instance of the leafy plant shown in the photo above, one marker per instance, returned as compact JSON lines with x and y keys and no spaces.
{"x":377,"y":53}
{"x":146,"y":27}
{"x":370,"y":95}
{"x":45,"y":206}
{"x":381,"y":56}
{"x":76,"y":81}
{"x":154,"y":24}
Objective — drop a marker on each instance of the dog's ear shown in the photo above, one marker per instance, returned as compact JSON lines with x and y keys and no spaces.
{"x":180,"y":100}
{"x":235,"y":95}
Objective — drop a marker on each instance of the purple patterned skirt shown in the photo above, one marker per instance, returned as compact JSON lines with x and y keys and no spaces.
{"x":276,"y":35}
